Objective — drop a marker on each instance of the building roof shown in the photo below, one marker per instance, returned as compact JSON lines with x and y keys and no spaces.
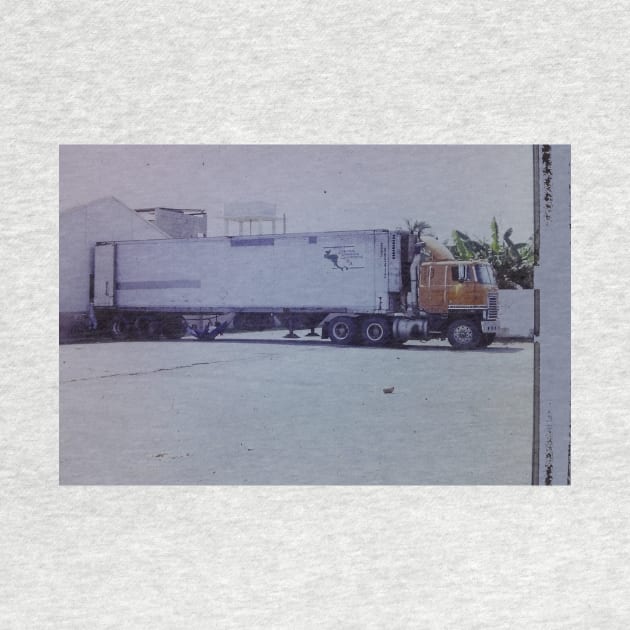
{"x":109,"y":201}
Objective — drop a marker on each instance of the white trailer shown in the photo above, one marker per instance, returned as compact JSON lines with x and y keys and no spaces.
{"x":323,"y":271}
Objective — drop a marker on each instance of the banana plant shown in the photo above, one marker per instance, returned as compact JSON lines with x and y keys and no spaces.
{"x":513,"y":262}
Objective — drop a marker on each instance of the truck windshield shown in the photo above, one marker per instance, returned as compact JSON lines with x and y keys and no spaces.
{"x":485,"y":274}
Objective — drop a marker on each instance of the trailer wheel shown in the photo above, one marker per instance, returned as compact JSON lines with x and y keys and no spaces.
{"x":487,"y":339}
{"x":155,"y":329}
{"x":376,"y":331}
{"x":174,"y":327}
{"x":342,"y":330}
{"x":147,"y":327}
{"x":464,"y":334}
{"x":121,"y":328}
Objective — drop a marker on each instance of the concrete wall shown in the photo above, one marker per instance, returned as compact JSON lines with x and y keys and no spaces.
{"x":516,"y":313}
{"x":79,"y":229}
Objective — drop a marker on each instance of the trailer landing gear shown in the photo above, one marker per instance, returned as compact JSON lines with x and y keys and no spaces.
{"x":291,"y":334}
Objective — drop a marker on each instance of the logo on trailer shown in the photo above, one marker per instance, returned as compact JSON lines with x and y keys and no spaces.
{"x":334,"y":258}
{"x":344,"y":257}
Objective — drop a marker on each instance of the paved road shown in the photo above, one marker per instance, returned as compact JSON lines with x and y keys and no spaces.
{"x":256,"y":409}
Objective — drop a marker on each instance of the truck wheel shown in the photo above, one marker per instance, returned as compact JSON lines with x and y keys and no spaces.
{"x":487,"y":339}
{"x":464,"y":334}
{"x":342,"y":330}
{"x":121,"y":328}
{"x":174,"y":327}
{"x":376,"y":331}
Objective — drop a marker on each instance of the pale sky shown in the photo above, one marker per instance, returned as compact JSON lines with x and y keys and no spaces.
{"x":319,"y":187}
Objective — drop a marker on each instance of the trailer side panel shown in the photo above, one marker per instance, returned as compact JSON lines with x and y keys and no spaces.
{"x":317,"y":271}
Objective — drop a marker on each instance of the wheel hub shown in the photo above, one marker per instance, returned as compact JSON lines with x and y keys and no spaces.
{"x":463,"y":334}
{"x":342,"y":330}
{"x":375,"y":332}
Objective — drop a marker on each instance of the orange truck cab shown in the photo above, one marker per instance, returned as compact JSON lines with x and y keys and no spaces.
{"x":460,"y":299}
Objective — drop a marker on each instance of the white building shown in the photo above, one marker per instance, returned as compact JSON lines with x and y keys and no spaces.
{"x":80,"y":229}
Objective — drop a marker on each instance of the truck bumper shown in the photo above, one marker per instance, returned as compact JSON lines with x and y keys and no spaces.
{"x":489,"y":327}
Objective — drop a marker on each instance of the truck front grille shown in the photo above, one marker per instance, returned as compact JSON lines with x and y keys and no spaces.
{"x":492,"y":306}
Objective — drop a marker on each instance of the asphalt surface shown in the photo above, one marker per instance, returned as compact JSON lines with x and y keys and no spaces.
{"x":255,"y":408}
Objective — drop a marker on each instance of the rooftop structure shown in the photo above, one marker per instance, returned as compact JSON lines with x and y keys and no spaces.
{"x":177,"y":222}
{"x":252,"y":212}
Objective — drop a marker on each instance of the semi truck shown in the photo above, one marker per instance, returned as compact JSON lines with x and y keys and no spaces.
{"x":370,"y":287}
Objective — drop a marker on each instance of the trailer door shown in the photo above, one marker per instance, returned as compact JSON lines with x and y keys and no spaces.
{"x":104,"y":274}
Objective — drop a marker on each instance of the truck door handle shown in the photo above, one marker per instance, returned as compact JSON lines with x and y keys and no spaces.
{"x":107,"y":288}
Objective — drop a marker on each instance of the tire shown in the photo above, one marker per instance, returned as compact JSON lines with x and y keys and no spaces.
{"x":464,"y":334}
{"x":121,"y":328}
{"x":343,"y":331}
{"x":376,"y":331}
{"x":487,"y":339}
{"x":78,"y":329}
{"x":147,"y":327}
{"x":155,"y":329}
{"x":174,"y":327}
